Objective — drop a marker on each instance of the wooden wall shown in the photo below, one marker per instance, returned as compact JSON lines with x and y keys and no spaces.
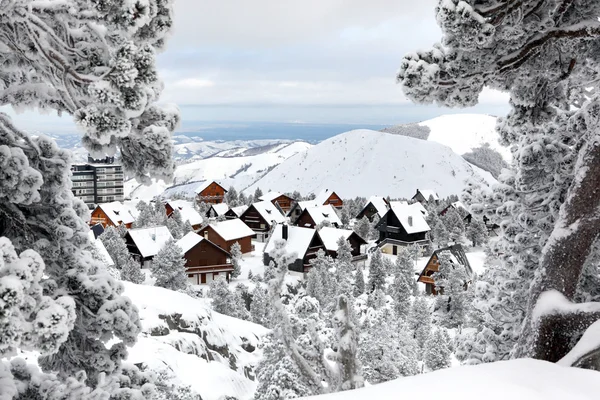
{"x":209,"y":233}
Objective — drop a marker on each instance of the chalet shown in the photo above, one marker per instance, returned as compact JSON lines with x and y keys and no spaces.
{"x":114,"y":214}
{"x":419,"y":206}
{"x":235,"y":212}
{"x":187,"y":211}
{"x":145,"y":243}
{"x":461,"y":208}
{"x":298,"y":207}
{"x":423,"y":196}
{"x":280,"y":200}
{"x":217,"y":210}
{"x":457,"y":256}
{"x":210,"y":192}
{"x":225,"y":233}
{"x":204,"y":260}
{"x":261,"y":217}
{"x":304,"y":242}
{"x":376,"y":206}
{"x":402,"y":225}
{"x":326,"y":197}
{"x":330,"y":236}
{"x":312,"y":217}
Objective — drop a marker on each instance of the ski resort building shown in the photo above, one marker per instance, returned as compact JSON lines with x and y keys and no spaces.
{"x":210,"y":192}
{"x":326,"y":197}
{"x":376,"y":206}
{"x":114,"y":214}
{"x":458,"y":258}
{"x":304,"y":242}
{"x":298,"y":207}
{"x":330,"y":236}
{"x":402,"y":225}
{"x":225,"y":233}
{"x":204,"y":260}
{"x":97,"y":181}
{"x":279,"y":200}
{"x":261,"y":217}
{"x":187,"y":211}
{"x":423,"y":196}
{"x":145,"y":243}
{"x":312,"y":217}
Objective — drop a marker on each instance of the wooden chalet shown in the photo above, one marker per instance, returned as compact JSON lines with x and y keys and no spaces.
{"x":210,"y":192}
{"x":235,"y":212}
{"x":402,"y":225}
{"x":298,"y":207}
{"x":217,"y":210}
{"x":204,"y":260}
{"x":456,"y":255}
{"x":330,"y":236}
{"x":261,"y":217}
{"x":114,"y":214}
{"x":326,"y":197}
{"x":376,"y":206}
{"x":225,"y":233}
{"x":305,"y":242}
{"x":145,"y":243}
{"x":282,"y":201}
{"x":423,"y":196}
{"x":461,"y":209}
{"x":312,"y":217}
{"x":187,"y":211}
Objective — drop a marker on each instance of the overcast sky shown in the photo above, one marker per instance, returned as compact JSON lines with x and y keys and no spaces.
{"x":323,"y":61}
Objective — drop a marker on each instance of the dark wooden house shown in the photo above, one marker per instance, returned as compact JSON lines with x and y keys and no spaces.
{"x":282,"y":201}
{"x":312,"y":217}
{"x":217,"y":210}
{"x":457,"y":257}
{"x":424,"y":195}
{"x":402,"y":225}
{"x":329,"y":197}
{"x":204,"y":260}
{"x":226,"y":233}
{"x":330,"y":236}
{"x":298,"y":207}
{"x":235,"y":212}
{"x":145,"y":243}
{"x":113,"y":214}
{"x":210,"y":192}
{"x":186,"y":210}
{"x":376,"y":206}
{"x":261,"y":217}
{"x":461,"y":209}
{"x":305,"y":242}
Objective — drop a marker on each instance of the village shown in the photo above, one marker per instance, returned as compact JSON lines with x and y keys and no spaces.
{"x":217,"y":240}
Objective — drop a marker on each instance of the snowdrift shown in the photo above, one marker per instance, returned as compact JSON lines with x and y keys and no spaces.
{"x":364,"y":162}
{"x":213,"y":353}
{"x":523,"y":379}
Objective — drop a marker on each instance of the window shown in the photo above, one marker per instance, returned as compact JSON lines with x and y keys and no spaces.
{"x":262,"y":226}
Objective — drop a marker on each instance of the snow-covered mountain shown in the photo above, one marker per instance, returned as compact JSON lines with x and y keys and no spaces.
{"x":365,"y":162}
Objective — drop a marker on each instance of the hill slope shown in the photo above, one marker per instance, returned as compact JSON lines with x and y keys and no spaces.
{"x":365,"y":162}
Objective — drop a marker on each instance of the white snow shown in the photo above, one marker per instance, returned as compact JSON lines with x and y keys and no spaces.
{"x":239,"y":210}
{"x":269,"y":212}
{"x":428,"y":193}
{"x":220,"y":209}
{"x":330,"y":236}
{"x":521,"y":379}
{"x":379,"y":203}
{"x":119,"y":213}
{"x":298,"y":240}
{"x":232,"y":229}
{"x":363,"y":162}
{"x":553,"y":302}
{"x":189,"y":241}
{"x":270,"y":196}
{"x":410,"y":217}
{"x":150,"y":241}
{"x":323,"y":196}
{"x":589,"y":341}
{"x":324,"y":213}
{"x":101,"y":250}
{"x":188,"y":213}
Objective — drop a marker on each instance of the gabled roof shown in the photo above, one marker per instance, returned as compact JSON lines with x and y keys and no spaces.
{"x":220,"y":209}
{"x":119,"y":213}
{"x":427,"y":193}
{"x":150,"y":241}
{"x":191,"y":240}
{"x":268,"y":212}
{"x":187,"y":211}
{"x":239,"y":210}
{"x":410,"y":217}
{"x":459,"y":204}
{"x":456,"y":254}
{"x":270,"y":196}
{"x":232,"y":229}
{"x":323,"y":213}
{"x":205,"y":184}
{"x":420,"y":207}
{"x":380,"y":204}
{"x":298,"y":240}
{"x":330,"y":237}
{"x":101,"y":249}
{"x":323,"y":196}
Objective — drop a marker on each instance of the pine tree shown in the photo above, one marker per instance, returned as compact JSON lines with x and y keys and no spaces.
{"x":231,"y":197}
{"x":454,"y":224}
{"x":450,"y":281}
{"x":419,"y":320}
{"x":236,"y":258}
{"x":221,"y":296}
{"x":260,"y":310}
{"x":376,"y":272}
{"x":115,"y":246}
{"x":345,"y":216}
{"x":257,"y":194}
{"x":132,"y":272}
{"x":359,"y":283}
{"x":441,"y":235}
{"x":346,"y":354}
{"x":175,"y":225}
{"x":363,"y":228}
{"x":319,"y":282}
{"x":344,"y":268}
{"x":168,"y":267}
{"x":404,"y":283}
{"x":477,"y":232}
{"x":437,"y":352}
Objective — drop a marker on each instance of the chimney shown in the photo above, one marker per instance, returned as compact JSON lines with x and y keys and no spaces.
{"x":284,"y":232}
{"x":410,"y":220}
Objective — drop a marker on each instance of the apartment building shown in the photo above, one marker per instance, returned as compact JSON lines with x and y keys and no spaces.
{"x":98,"y":181}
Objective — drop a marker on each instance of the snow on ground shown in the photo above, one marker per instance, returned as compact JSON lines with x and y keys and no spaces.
{"x":213,"y":353}
{"x":523,"y":379}
{"x":365,"y":162}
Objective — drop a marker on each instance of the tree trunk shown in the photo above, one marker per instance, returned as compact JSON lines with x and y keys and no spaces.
{"x":564,"y":255}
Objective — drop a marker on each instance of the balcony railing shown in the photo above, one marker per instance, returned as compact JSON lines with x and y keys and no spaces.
{"x":397,"y":242}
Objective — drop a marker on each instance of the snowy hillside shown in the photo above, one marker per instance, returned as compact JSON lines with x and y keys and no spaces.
{"x":213,"y":353}
{"x":364,"y":162}
{"x":194,"y":148}
{"x":516,"y":379}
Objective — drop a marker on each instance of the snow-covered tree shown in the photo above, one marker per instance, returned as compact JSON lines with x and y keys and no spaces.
{"x":404,"y":283}
{"x":376,"y":272}
{"x":257,"y":194}
{"x":363,"y":228}
{"x":437,"y":351}
{"x":260,"y":309}
{"x":344,"y":268}
{"x":320,"y":282}
{"x":359,"y":282}
{"x":236,"y":260}
{"x":453,"y":222}
{"x":115,"y":246}
{"x":450,"y":283}
{"x":221,"y":296}
{"x":149,"y":215}
{"x":545,"y":204}
{"x":168,"y":267}
{"x":176,"y":225}
{"x":231,"y":197}
{"x":345,"y":216}
{"x":477,"y":232}
{"x":346,"y":354}
{"x":132,"y":272}
{"x":419,"y":320}
{"x":440,"y":234}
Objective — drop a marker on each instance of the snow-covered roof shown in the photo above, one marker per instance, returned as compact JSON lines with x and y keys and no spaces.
{"x":323,"y":195}
{"x":298,"y":240}
{"x":399,"y":203}
{"x":119,"y":213}
{"x":239,"y":210}
{"x":427,"y":193}
{"x":269,"y":212}
{"x":232,"y":229}
{"x":421,"y":208}
{"x":269,"y":196}
{"x":150,"y":241}
{"x":187,"y":211}
{"x":379,"y":203}
{"x":203,"y":185}
{"x":324,"y":213}
{"x":220,"y":209}
{"x":307,"y":203}
{"x":330,"y":236}
{"x":101,"y":249}
{"x":187,"y":242}
{"x":411,"y":218}
{"x":459,"y":204}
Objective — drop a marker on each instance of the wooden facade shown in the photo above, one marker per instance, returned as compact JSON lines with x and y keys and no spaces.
{"x":99,"y":217}
{"x":213,"y":194}
{"x":209,"y":233}
{"x":369,"y":211}
{"x":302,"y":263}
{"x":257,"y":223}
{"x":169,"y":210}
{"x":355,"y":242}
{"x":284,"y":202}
{"x":334,"y":200}
{"x":389,"y":227}
{"x":421,"y":198}
{"x":433,"y":265}
{"x":206,"y":261}
{"x":305,"y":220}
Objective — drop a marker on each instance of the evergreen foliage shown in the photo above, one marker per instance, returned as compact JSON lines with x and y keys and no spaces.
{"x":236,"y":257}
{"x":437,"y":351}
{"x":376,"y":272}
{"x":168,"y":267}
